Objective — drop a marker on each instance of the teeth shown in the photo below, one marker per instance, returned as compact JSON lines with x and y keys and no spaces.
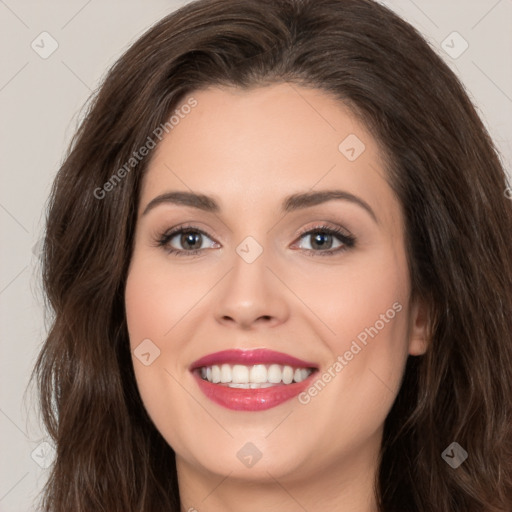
{"x":215,"y":375}
{"x":274,"y":374}
{"x":251,"y":385}
{"x":225,"y":373}
{"x":258,"y":373}
{"x":287,"y":374}
{"x":239,"y":374}
{"x":253,"y":377}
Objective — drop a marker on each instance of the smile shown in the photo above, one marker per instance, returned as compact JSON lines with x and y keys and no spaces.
{"x":251,"y":380}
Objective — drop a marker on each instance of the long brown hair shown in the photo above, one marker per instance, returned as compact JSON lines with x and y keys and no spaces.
{"x":445,"y":171}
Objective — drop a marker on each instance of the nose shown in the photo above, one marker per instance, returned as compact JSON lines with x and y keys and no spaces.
{"x":251,"y":296}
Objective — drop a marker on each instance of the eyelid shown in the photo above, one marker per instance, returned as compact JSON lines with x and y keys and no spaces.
{"x":324,"y":225}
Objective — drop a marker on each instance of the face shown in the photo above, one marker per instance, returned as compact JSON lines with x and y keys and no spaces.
{"x":319,"y":282}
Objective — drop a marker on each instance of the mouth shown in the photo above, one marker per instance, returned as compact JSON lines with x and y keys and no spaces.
{"x":252,"y":380}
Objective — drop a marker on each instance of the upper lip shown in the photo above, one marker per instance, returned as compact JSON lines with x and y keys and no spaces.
{"x":251,"y":357}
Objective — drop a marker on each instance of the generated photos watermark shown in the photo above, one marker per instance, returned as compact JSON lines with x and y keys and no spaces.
{"x":143,"y":151}
{"x":343,"y":360}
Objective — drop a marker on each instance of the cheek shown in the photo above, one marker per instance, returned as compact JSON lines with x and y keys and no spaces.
{"x":352,"y":396}
{"x":152,"y":311}
{"x":366,"y":313}
{"x":158,"y":296}
{"x":364,"y":300}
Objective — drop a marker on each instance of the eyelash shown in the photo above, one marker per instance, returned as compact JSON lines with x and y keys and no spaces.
{"x":348,"y":241}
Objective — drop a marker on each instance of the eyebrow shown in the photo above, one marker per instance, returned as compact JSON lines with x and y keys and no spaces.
{"x":291,"y":203}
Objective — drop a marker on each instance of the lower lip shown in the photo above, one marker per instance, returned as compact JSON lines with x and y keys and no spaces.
{"x":251,"y":399}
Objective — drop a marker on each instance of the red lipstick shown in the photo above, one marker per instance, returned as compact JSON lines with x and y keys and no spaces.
{"x":251,"y":399}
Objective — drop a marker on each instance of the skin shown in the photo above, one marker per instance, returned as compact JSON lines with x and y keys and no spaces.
{"x":249,"y":149}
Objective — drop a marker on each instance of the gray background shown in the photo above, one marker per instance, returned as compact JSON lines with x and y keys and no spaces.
{"x":40,"y":101}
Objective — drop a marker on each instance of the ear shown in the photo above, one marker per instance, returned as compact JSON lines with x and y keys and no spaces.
{"x":419,"y":320}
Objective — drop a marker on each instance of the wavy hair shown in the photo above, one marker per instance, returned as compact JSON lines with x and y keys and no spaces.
{"x":445,"y":171}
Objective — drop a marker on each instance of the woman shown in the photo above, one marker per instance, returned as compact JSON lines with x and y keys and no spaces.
{"x":279,"y":260}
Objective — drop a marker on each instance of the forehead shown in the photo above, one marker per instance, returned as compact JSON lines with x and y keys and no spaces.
{"x":255,"y":146}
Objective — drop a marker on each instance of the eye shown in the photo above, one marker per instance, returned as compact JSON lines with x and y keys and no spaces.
{"x":322,"y":240}
{"x":190,"y":238}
